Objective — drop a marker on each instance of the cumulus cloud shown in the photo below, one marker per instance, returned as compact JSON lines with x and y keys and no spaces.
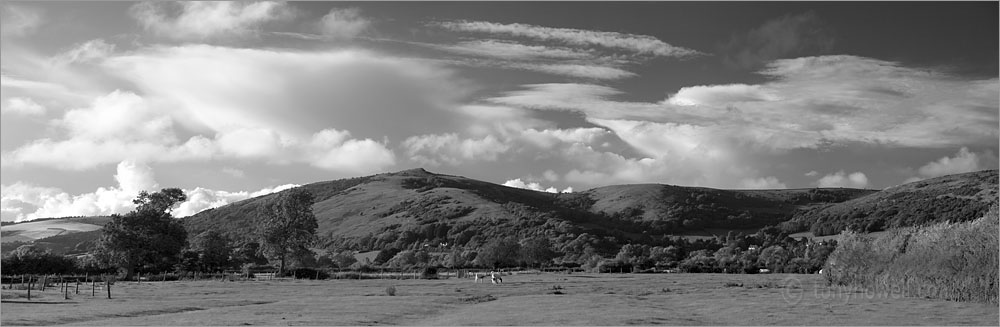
{"x":518,"y":183}
{"x":719,"y":95}
{"x":639,"y":44}
{"x":344,"y":23}
{"x":791,"y":35}
{"x":842,"y":179}
{"x":962,"y":162}
{"x":22,"y":201}
{"x":295,"y":93}
{"x":762,"y":183}
{"x":548,"y":138}
{"x":435,"y":149}
{"x":123,"y":126}
{"x":201,"y":20}
{"x":22,"y":106}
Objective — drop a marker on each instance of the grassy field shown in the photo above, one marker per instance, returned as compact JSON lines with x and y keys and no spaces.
{"x":524,"y":299}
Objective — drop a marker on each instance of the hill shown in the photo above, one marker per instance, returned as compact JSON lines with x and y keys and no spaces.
{"x":952,"y":198}
{"x":411,"y":208}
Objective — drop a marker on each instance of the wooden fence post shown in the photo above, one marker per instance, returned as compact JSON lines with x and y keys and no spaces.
{"x":93,"y":288}
{"x":66,"y":291}
{"x":78,"y":287}
{"x":109,"y":289}
{"x":29,"y":288}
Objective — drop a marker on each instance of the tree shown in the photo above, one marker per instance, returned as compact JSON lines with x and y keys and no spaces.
{"x":287,"y":226}
{"x":537,"y":251}
{"x":499,"y":253}
{"x":213,"y":250}
{"x":344,"y":259}
{"x":146,"y":236}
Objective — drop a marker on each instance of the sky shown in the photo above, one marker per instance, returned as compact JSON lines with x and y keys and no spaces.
{"x":102,"y":100}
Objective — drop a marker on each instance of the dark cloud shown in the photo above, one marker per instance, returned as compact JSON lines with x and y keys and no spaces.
{"x":803,"y":34}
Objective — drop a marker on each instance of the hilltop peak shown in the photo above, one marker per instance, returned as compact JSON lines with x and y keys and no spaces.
{"x":414,"y":172}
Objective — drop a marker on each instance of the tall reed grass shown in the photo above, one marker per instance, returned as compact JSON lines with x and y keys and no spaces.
{"x":952,"y":261}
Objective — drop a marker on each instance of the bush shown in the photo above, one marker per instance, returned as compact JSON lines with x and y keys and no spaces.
{"x":390,"y":290}
{"x":306,"y":273}
{"x":952,"y":261}
{"x":429,"y":273}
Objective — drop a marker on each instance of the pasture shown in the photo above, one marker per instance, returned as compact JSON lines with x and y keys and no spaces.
{"x":523,"y":299}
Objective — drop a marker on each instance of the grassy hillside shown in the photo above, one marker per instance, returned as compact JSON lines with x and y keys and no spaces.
{"x":953,"y":198}
{"x":410,"y":208}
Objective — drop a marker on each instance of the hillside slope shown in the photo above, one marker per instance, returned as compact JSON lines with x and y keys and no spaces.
{"x":952,"y":198}
{"x":413,"y":207}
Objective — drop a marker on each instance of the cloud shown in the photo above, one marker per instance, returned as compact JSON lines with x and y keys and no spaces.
{"x":124,"y":126}
{"x":577,"y":70}
{"x":962,"y":162}
{"x":201,"y":199}
{"x":716,"y":95}
{"x":19,"y":21}
{"x":334,"y":150}
{"x":236,"y":173}
{"x":512,"y":50}
{"x":548,"y":138}
{"x":344,"y":23}
{"x":295,"y":93}
{"x":450,"y":149}
{"x":812,"y":173}
{"x":89,"y":51}
{"x":762,"y":183}
{"x":841,"y":179}
{"x":198,"y":20}
{"x":807,"y":103}
{"x":22,"y":106}
{"x":21,"y":201}
{"x":639,"y":44}
{"x":518,"y":183}
{"x":790,"y":35}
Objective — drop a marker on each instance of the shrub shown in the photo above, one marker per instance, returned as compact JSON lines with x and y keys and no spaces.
{"x":429,"y":273}
{"x":390,"y":290}
{"x":952,"y":261}
{"x":306,"y":273}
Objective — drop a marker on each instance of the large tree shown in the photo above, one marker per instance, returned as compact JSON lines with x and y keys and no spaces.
{"x":148,"y":235}
{"x":499,"y":253}
{"x":537,"y":251}
{"x":287,"y":225}
{"x":213,"y":249}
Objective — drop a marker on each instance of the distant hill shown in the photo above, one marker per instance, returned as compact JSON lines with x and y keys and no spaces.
{"x":953,"y":198}
{"x":415,"y":207}
{"x":60,"y":235}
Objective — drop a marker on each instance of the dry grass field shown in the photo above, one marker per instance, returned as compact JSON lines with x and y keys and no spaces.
{"x":524,"y":299}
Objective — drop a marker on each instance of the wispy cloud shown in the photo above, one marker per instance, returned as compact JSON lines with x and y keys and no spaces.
{"x":18,"y":21}
{"x":792,"y":35}
{"x":512,"y":50}
{"x":638,"y":44}
{"x":196,"y":20}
